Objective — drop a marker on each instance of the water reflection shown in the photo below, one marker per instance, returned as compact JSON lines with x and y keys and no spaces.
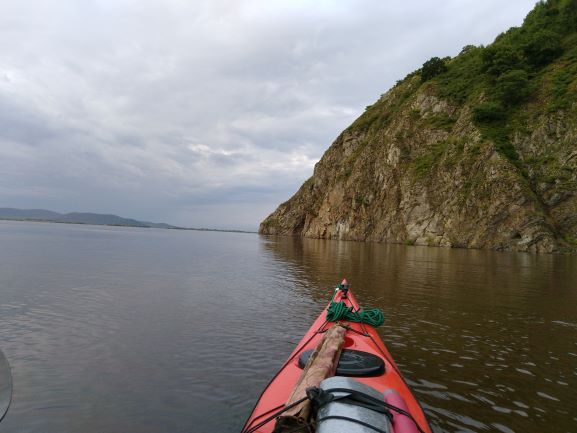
{"x":143,"y":330}
{"x":486,"y":339}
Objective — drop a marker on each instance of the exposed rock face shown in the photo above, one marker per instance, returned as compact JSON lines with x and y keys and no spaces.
{"x":415,"y":168}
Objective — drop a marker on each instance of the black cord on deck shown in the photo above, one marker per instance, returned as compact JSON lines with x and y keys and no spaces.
{"x":274,"y":415}
{"x":320,"y":398}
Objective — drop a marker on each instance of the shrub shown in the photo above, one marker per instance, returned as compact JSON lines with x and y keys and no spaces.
{"x":440,"y":121}
{"x":498,"y":59}
{"x":507,"y":149}
{"x":560,"y":85}
{"x":542,"y":47}
{"x":423,"y":164}
{"x":512,"y":87}
{"x":489,"y":112}
{"x":569,"y":14}
{"x":491,"y":119}
{"x":463,"y":76}
{"x":467,"y":48}
{"x":431,"y":68}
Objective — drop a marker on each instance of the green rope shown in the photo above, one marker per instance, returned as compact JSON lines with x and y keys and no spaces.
{"x":340,"y":311}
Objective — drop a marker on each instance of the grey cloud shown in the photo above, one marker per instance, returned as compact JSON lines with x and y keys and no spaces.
{"x":20,"y":124}
{"x":177,"y":111}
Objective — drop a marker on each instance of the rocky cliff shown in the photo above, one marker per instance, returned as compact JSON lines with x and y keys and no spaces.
{"x":476,"y":151}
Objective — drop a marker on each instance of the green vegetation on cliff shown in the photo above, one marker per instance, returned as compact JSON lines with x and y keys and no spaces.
{"x":479,"y":150}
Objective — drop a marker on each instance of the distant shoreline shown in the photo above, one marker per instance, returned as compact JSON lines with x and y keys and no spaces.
{"x":33,"y":220}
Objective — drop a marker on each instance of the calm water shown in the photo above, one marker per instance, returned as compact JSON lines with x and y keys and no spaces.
{"x":143,"y":330}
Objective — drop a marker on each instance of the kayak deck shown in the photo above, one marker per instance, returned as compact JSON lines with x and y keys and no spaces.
{"x":359,"y":337}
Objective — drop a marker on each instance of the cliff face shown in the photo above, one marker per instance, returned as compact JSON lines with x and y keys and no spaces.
{"x":447,"y":163}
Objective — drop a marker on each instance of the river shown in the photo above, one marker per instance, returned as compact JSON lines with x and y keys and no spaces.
{"x":112,"y":329}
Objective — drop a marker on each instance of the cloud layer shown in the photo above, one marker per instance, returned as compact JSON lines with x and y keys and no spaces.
{"x":201,"y":113}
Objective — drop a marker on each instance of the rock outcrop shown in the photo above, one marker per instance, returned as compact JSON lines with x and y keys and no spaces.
{"x":422,"y":167}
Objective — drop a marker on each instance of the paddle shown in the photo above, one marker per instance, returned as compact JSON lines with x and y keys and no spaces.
{"x":5,"y":385}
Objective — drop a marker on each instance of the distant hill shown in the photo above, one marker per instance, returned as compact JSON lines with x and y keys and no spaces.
{"x":43,"y":215}
{"x":76,"y":218}
{"x":12,"y":213}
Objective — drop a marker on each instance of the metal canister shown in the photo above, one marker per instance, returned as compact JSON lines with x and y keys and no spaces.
{"x":339,"y":416}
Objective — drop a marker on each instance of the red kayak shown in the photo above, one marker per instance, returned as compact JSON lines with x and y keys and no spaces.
{"x":364,"y":393}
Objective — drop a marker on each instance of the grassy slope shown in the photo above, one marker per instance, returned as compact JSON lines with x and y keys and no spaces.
{"x":472,"y":78}
{"x":546,"y":61}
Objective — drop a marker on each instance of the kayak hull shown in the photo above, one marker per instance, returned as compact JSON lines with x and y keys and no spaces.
{"x":359,"y":337}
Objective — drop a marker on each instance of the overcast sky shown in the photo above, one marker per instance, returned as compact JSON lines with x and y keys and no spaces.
{"x":202,"y":113}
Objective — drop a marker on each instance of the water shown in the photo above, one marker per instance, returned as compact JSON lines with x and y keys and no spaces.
{"x":142,"y":330}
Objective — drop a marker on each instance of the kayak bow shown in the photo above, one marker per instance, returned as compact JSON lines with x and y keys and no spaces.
{"x":367,"y":393}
